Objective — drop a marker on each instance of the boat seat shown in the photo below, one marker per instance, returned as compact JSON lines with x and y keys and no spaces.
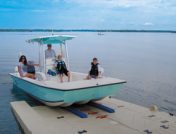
{"x":16,"y":71}
{"x":101,"y":70}
{"x":40,"y":76}
{"x":50,"y":64}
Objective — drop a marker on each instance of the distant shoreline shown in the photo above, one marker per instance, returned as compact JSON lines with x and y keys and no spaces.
{"x":83,"y":30}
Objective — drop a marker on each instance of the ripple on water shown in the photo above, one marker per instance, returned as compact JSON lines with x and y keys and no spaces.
{"x":170,"y":102}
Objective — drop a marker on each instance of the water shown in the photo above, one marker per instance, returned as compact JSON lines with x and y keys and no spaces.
{"x":145,"y":60}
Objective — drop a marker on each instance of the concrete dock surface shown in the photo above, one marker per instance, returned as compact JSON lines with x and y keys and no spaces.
{"x":127,"y":119}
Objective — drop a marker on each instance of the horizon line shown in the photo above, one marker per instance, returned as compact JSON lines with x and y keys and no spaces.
{"x":80,"y":30}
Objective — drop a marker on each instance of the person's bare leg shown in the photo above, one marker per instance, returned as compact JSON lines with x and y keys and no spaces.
{"x":68,"y":73}
{"x":88,"y":77}
{"x":32,"y":76}
{"x":61,"y":78}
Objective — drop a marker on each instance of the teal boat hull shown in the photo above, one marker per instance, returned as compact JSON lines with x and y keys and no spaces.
{"x":55,"y":97}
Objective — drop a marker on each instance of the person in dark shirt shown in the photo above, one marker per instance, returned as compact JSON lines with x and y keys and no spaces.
{"x":95,"y":69}
{"x":61,"y":69}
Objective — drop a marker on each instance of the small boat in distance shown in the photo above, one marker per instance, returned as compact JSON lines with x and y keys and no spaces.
{"x":99,"y":33}
{"x":47,"y":88}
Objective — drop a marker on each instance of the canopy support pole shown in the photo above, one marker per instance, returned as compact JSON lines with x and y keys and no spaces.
{"x":67,"y":56}
{"x":40,"y":57}
{"x":61,"y":50}
{"x":44,"y":60}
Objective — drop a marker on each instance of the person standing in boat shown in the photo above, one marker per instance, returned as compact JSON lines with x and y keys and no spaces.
{"x":95,"y":69}
{"x":50,"y":53}
{"x":24,"y":69}
{"x":61,"y":69}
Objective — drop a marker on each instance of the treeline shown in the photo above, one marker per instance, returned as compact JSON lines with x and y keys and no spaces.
{"x":82,"y":30}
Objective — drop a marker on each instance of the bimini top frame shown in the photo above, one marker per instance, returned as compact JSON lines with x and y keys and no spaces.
{"x":53,"y":39}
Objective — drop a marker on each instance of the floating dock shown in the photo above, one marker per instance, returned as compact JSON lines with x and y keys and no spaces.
{"x":127,"y":118}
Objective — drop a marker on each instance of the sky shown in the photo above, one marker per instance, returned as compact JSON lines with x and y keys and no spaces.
{"x":89,"y":14}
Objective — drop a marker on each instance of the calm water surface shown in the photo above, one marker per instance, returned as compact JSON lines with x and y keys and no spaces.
{"x":145,"y":60}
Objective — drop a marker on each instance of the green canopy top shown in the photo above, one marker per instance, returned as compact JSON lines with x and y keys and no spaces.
{"x":54,"y":39}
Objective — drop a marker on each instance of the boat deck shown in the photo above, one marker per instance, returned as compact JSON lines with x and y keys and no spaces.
{"x":127,"y":119}
{"x":78,"y":81}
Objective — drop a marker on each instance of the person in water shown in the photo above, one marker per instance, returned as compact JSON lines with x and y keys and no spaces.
{"x":95,"y":69}
{"x":50,"y":53}
{"x":24,"y":69}
{"x":61,"y":69}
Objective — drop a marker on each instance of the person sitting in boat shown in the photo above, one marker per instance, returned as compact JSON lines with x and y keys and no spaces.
{"x":50,"y":53}
{"x":95,"y":69}
{"x":25,"y":69}
{"x":30,"y":67}
{"x":61,"y":69}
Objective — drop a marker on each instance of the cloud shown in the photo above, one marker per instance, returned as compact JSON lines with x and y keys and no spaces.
{"x":117,"y":14}
{"x":116,"y":3}
{"x":148,"y":24}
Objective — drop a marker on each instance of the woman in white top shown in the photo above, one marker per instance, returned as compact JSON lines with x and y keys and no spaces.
{"x":22,"y":68}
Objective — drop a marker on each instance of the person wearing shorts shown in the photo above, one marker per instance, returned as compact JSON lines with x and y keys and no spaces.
{"x":23,"y":68}
{"x":61,"y":69}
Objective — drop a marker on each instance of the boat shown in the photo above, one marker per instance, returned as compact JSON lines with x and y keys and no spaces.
{"x":46,"y":87}
{"x":99,"y":33}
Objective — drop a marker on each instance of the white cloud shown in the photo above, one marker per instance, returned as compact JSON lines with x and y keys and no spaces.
{"x":117,"y":3}
{"x":152,"y":7}
{"x":148,"y":24}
